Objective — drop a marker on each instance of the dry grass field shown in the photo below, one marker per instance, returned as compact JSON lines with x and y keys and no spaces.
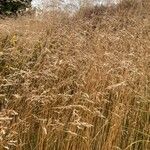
{"x":77,"y":82}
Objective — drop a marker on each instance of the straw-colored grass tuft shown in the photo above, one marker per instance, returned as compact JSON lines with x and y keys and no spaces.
{"x":77,"y":82}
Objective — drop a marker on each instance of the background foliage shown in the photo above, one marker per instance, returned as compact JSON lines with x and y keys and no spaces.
{"x":13,"y":6}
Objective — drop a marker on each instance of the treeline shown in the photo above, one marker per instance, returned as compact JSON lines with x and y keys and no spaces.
{"x":9,"y":7}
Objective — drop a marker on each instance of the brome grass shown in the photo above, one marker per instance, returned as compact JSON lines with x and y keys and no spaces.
{"x":78,"y":82}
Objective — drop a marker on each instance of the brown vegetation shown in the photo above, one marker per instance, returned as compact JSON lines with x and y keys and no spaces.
{"x":76,"y":83}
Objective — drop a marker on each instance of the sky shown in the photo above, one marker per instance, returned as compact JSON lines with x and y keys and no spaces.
{"x":66,"y":3}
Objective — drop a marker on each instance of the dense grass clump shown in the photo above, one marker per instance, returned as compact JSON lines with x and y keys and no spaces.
{"x":77,"y":82}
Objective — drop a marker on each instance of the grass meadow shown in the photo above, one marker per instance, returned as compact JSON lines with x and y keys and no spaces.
{"x":79,"y":82}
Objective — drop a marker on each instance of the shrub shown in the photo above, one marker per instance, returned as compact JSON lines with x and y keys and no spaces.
{"x":9,"y":7}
